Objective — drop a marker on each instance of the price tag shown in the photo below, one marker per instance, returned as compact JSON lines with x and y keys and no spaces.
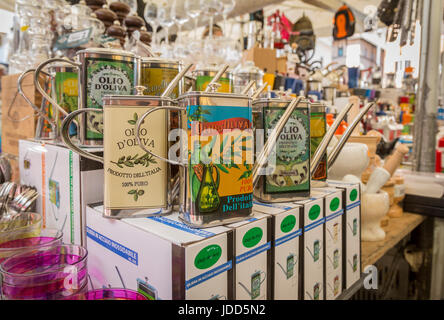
{"x":74,"y":39}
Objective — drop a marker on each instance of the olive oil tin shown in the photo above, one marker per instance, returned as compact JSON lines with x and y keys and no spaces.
{"x":102,"y":72}
{"x":155,"y":74}
{"x":288,"y":176}
{"x":204,"y":76}
{"x":318,"y":129}
{"x":216,"y":183}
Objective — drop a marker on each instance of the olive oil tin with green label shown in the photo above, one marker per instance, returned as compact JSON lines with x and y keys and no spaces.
{"x":102,"y":72}
{"x":288,"y":176}
{"x":155,"y":74}
{"x":204,"y":76}
{"x":318,"y":129}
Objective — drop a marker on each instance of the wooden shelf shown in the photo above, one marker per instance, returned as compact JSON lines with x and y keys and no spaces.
{"x":396,"y":230}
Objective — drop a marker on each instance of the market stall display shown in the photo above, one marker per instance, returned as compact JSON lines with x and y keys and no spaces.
{"x":230,"y":164}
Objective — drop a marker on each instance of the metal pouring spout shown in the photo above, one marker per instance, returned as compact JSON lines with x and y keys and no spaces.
{"x":216,"y":78}
{"x":258,"y":92}
{"x":176,"y":80}
{"x":248,"y":87}
{"x":337,"y":149}
{"x":327,"y":138}
{"x":272,"y":139}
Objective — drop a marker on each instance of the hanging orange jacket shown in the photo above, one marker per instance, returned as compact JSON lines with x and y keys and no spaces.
{"x":343,"y":23}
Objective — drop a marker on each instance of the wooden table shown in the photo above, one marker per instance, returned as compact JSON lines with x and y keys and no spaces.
{"x":371,"y":252}
{"x":396,"y":230}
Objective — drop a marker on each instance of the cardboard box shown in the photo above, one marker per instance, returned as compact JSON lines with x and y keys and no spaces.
{"x":312,"y":246}
{"x":286,"y":226}
{"x":263,"y":58}
{"x":351,"y":225}
{"x":161,"y":257}
{"x":13,"y":131}
{"x":65,"y":182}
{"x":281,"y":65}
{"x":252,"y":258}
{"x":333,"y":263}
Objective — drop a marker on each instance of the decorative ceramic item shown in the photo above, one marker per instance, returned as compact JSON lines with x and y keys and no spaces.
{"x":353,"y":159}
{"x":373,"y":208}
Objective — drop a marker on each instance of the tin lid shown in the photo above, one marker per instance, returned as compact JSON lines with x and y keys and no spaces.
{"x":108,"y":51}
{"x":203,"y":69}
{"x":135,"y":99}
{"x":213,"y":94}
{"x":317,"y":106}
{"x":160,"y":60}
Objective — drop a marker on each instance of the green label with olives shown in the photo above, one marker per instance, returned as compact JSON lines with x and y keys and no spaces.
{"x":105,"y":77}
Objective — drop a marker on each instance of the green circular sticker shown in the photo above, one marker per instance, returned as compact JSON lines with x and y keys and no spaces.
{"x":288,"y":223}
{"x":334,"y":204}
{"x":208,"y":256}
{"x":314,"y":212}
{"x":353,"y":195}
{"x":252,"y":237}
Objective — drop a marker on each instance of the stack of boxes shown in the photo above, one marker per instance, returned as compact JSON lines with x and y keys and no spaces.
{"x":307,"y":249}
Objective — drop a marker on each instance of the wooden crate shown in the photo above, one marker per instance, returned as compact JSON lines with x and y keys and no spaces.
{"x":13,"y":131}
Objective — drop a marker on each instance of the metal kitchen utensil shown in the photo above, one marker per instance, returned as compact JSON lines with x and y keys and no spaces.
{"x":101,"y":71}
{"x":337,"y":149}
{"x":136,"y":184}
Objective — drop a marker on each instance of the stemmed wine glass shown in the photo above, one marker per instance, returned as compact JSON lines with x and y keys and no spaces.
{"x":193,"y":9}
{"x":228,"y":6}
{"x":166,"y":19}
{"x":212,"y":8}
{"x":180,"y":17}
{"x":150,"y":13}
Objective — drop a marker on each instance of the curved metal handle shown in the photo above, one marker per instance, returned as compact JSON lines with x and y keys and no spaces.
{"x":272,"y":139}
{"x":334,"y":154}
{"x":39,"y":88}
{"x":67,"y":140}
{"x":20,"y":91}
{"x":139,"y":141}
{"x":327,"y":138}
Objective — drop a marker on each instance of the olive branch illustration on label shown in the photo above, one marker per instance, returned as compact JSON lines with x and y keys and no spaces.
{"x":131,"y":161}
{"x":136,"y":193}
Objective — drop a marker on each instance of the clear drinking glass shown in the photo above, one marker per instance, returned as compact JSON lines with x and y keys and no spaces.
{"x":193,"y":9}
{"x":23,"y":242}
{"x":180,"y":17}
{"x":45,"y":273}
{"x":228,"y":6}
{"x":211,"y":8}
{"x":150,"y":14}
{"x":166,"y":19}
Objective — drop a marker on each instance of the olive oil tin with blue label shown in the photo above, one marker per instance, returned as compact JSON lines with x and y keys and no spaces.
{"x":217,"y":186}
{"x":287,"y":177}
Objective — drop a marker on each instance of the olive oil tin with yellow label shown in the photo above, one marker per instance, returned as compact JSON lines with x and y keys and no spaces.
{"x":204,"y":75}
{"x":136,"y":183}
{"x":288,"y":176}
{"x":318,"y":129}
{"x":155,"y":74}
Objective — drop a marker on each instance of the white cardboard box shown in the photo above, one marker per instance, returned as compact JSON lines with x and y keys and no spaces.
{"x":252,"y":258}
{"x":333,"y":241}
{"x":65,"y":183}
{"x":352,"y":231}
{"x":286,"y":226}
{"x":160,"y":257}
{"x":312,"y":245}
